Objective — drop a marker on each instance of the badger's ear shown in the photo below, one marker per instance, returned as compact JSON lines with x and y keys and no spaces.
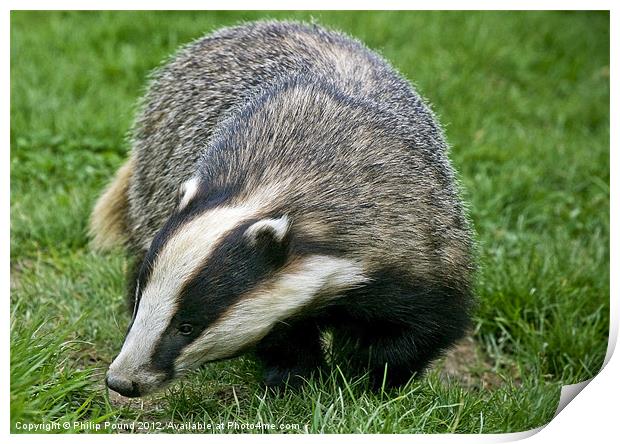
{"x":187,"y":191}
{"x":270,"y":236}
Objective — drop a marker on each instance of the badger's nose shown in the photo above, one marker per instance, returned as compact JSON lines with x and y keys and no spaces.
{"x":122,"y":386}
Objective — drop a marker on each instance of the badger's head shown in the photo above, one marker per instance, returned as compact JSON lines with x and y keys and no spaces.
{"x":214,"y":282}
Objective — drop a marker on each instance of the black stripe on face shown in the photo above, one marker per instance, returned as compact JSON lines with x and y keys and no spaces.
{"x":233,"y":269}
{"x":205,"y":199}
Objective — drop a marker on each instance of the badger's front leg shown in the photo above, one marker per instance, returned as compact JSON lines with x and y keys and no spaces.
{"x":290,"y":353}
{"x":392,"y":357}
{"x":391,"y":354}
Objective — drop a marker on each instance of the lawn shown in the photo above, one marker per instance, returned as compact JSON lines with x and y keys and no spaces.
{"x":524,"y":98}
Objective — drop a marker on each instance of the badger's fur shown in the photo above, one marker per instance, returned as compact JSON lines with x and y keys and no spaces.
{"x":285,"y":181}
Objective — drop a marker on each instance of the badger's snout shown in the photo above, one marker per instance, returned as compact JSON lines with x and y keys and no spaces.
{"x":131,"y":378}
{"x":122,"y":385}
{"x":134,"y":384}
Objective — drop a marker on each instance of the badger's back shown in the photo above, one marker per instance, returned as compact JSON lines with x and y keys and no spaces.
{"x":212,"y":77}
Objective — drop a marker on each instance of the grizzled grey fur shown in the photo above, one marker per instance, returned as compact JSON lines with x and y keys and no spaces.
{"x":330,"y":134}
{"x":189,"y":96}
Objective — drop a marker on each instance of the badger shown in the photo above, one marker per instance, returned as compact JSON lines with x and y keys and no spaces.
{"x":286,"y":183}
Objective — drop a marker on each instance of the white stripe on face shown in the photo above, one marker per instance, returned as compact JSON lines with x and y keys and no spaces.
{"x":182,"y":254}
{"x":250,"y":319}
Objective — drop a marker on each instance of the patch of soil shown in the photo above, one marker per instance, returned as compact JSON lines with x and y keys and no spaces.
{"x":470,"y":366}
{"x":232,"y":394}
{"x":16,"y":269}
{"x":145,"y":404}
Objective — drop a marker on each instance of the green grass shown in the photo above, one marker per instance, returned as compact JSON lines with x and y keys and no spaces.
{"x":524,"y":98}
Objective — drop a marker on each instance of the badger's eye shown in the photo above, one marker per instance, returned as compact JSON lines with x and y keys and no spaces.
{"x":186,"y":329}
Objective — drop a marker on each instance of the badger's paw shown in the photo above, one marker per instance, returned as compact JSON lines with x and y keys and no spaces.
{"x":278,"y":377}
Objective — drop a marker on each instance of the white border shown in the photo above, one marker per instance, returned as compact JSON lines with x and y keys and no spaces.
{"x":325,"y":5}
{"x":593,"y":415}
